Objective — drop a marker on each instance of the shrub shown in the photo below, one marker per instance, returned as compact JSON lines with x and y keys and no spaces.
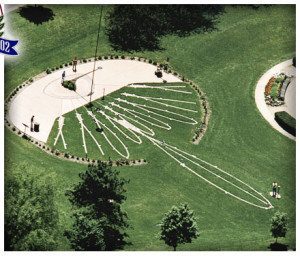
{"x":122,"y":57}
{"x":294,"y":61}
{"x":150,"y":61}
{"x":66,"y":64}
{"x":132,"y":58}
{"x":31,"y":80}
{"x":105,"y":57}
{"x":69,"y":85}
{"x":24,"y":136}
{"x":70,"y":63}
{"x":61,"y":66}
{"x":48,"y":71}
{"x":274,"y":92}
{"x":84,"y":60}
{"x":52,"y":69}
{"x":287,"y":122}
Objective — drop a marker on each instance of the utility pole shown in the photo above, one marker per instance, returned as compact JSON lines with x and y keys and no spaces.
{"x":96,"y":55}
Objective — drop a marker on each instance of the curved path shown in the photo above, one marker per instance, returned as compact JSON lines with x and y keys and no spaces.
{"x":46,"y":99}
{"x":268,"y":112}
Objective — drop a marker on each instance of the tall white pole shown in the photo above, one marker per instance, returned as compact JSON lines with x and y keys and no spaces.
{"x":96,"y":54}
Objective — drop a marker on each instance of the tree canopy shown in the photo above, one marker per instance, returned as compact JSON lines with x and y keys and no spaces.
{"x":100,"y":223}
{"x":31,"y":216}
{"x":179,"y":226}
{"x":279,"y":225}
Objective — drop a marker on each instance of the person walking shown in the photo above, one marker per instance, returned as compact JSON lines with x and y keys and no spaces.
{"x":74,"y":62}
{"x":63,"y":76}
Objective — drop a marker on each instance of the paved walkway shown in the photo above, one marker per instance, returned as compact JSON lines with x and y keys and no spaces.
{"x":46,"y":99}
{"x":268,"y":112}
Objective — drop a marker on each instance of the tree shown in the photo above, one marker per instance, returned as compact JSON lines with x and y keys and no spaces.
{"x":179,"y":226}
{"x":31,"y":216}
{"x":87,"y":233}
{"x":279,"y":225}
{"x":38,"y":240}
{"x":100,"y":193}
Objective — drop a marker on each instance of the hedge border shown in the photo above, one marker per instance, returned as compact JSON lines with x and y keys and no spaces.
{"x":283,"y":124}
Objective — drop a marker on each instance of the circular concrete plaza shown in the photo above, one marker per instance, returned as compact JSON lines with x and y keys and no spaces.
{"x":46,"y":99}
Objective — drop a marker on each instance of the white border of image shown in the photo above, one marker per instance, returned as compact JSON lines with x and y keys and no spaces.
{"x":128,"y":252}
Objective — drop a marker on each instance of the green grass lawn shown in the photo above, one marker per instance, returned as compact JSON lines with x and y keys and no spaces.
{"x":180,"y":135}
{"x":226,"y":63}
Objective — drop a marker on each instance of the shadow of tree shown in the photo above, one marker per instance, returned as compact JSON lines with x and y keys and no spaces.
{"x":140,"y":27}
{"x":278,"y":247}
{"x":36,"y":14}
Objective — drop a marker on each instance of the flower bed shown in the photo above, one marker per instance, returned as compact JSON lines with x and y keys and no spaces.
{"x":272,"y":90}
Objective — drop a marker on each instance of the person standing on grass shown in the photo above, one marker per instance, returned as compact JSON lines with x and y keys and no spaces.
{"x":274,"y":187}
{"x":63,"y":76}
{"x":74,"y":62}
